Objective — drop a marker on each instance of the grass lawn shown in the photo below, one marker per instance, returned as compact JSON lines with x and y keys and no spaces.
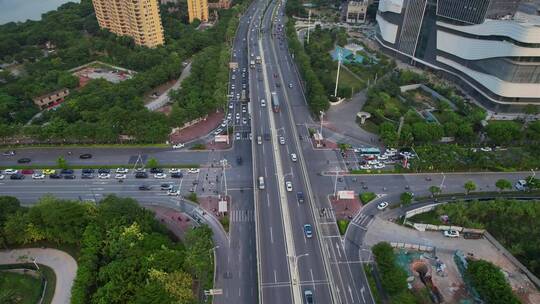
{"x":19,"y":288}
{"x":367,"y":197}
{"x":342,"y":225}
{"x":426,"y":218}
{"x":348,"y":79}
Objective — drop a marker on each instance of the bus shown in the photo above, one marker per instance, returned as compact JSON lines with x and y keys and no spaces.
{"x":369,"y":151}
{"x":275,"y":102}
{"x":261,"y":182}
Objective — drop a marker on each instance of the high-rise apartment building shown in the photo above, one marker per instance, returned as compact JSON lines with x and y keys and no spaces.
{"x":491,"y":48}
{"x":138,"y":19}
{"x":198,"y":9}
{"x":356,"y":11}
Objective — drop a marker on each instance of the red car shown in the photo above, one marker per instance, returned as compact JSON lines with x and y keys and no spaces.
{"x":27,"y":171}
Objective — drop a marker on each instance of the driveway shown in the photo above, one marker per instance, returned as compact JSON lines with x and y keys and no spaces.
{"x":64,"y":266}
{"x":341,"y":118}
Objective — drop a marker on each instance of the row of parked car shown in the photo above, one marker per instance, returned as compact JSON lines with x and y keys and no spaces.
{"x":103,"y":173}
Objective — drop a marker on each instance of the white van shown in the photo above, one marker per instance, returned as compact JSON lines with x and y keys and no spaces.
{"x":261,"y":183}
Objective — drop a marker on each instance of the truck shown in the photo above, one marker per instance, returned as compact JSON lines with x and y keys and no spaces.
{"x":252,"y":64}
{"x":275,"y":102}
{"x":258,"y":59}
{"x":243,"y":97}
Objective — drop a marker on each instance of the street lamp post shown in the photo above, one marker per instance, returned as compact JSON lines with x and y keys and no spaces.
{"x":322,"y":117}
{"x":295,"y":259}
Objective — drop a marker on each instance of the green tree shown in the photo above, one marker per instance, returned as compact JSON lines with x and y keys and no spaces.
{"x":469,"y":186}
{"x":406,"y":198}
{"x":503,"y":184}
{"x":434,"y":190}
{"x":152,"y":163}
{"x":490,"y":282}
{"x":394,"y":279}
{"x":504,"y":132}
{"x":61,"y":162}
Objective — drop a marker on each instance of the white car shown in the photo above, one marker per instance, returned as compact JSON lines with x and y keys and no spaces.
{"x":224,"y":124}
{"x":122,"y":170}
{"x":11,"y":171}
{"x":194,"y":170}
{"x":237,"y":115}
{"x":178,"y":146}
{"x":160,"y":175}
{"x":173,"y":192}
{"x":174,"y":170}
{"x":382,"y":206}
{"x":231,"y":105}
{"x":451,"y":233}
{"x":218,"y":131}
{"x":288,"y":185}
{"x":244,"y":121}
{"x":104,"y":176}
{"x":229,"y":116}
{"x":140,"y":170}
{"x":365,"y":167}
{"x":486,"y":149}
{"x":244,"y":110}
{"x":293,"y":157}
{"x":38,"y":176}
{"x":120,"y":176}
{"x":373,"y":162}
{"x":378,"y":166}
{"x":263,"y":103}
{"x":281,"y":140}
{"x":391,"y":151}
{"x":237,"y":136}
{"x":2,"y":176}
{"x":382,"y":157}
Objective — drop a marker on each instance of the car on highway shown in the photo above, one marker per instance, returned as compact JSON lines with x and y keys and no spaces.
{"x":24,"y":160}
{"x":244,"y":109}
{"x":229,"y":116}
{"x":141,"y":175}
{"x":194,"y":170}
{"x":55,"y":176}
{"x":166,"y":186}
{"x":69,"y":176}
{"x":120,"y":176}
{"x":237,"y":115}
{"x":122,"y":170}
{"x":308,"y":296}
{"x":244,"y":121}
{"x":237,"y":136}
{"x":231,"y":106}
{"x":224,"y":124}
{"x":145,"y":188}
{"x":87,"y":176}
{"x":8,"y":153}
{"x":218,"y":131}
{"x":308,"y":231}
{"x":156,"y":170}
{"x":85,"y":156}
{"x":177,"y":175}
{"x":38,"y":176}
{"x":49,"y":171}
{"x":288,"y":185}
{"x":160,"y":175}
{"x":451,"y":233}
{"x":173,"y":192}
{"x":267,"y":136}
{"x":11,"y":171}
{"x":263,"y":103}
{"x":293,"y":157}
{"x":178,"y":146}
{"x":521,"y":185}
{"x":300,"y":197}
{"x":104,"y":170}
{"x":290,"y":85}
{"x":381,"y":206}
{"x":17,"y":176}
{"x":281,"y":140}
{"x":104,"y":176}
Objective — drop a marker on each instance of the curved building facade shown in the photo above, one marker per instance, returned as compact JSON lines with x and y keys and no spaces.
{"x":489,"y":47}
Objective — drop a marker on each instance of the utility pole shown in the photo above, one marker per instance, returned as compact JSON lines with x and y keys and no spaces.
{"x":322,"y":117}
{"x":335,"y":183}
{"x":224,"y":163}
{"x":308,"y":24}
{"x":337,"y":74}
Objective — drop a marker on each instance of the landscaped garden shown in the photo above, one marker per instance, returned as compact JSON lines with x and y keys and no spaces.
{"x":19,"y":288}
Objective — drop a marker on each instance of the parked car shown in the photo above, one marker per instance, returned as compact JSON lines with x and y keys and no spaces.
{"x":49,"y":171}
{"x":160,"y":175}
{"x":85,"y":156}
{"x":66,"y":171}
{"x":141,"y":175}
{"x":174,"y":170}
{"x":122,"y":170}
{"x":55,"y":176}
{"x":178,"y":146}
{"x":24,"y":160}
{"x":104,"y":170}
{"x":104,"y":176}
{"x":69,"y":176}
{"x":120,"y":176}
{"x":194,"y":170}
{"x":381,"y":206}
{"x":451,"y":233}
{"x":27,"y":171}
{"x":17,"y":176}
{"x":38,"y":176}
{"x":87,"y":176}
{"x":2,"y":176}
{"x":11,"y":171}
{"x":308,"y":231}
{"x":156,"y":170}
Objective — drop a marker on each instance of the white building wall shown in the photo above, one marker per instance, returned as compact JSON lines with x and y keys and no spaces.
{"x":394,"y":6}
{"x":388,"y":30}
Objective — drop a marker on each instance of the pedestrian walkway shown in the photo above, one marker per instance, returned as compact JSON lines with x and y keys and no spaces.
{"x":242,"y":216}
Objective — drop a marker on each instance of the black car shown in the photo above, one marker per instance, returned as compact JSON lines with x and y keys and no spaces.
{"x":17,"y":176}
{"x":177,"y":175}
{"x":145,"y":188}
{"x":88,"y":171}
{"x":266,"y":136}
{"x":85,"y":156}
{"x":66,"y":171}
{"x":239,"y":160}
{"x":69,"y":176}
{"x":104,"y":171}
{"x":141,"y":175}
{"x":300,"y":197}
{"x":55,"y":176}
{"x":156,"y":170}
{"x":87,"y":176}
{"x":24,"y":160}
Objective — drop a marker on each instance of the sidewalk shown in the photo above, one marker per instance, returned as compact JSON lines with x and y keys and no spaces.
{"x":197,"y":130}
{"x":177,"y":222}
{"x":64,"y":266}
